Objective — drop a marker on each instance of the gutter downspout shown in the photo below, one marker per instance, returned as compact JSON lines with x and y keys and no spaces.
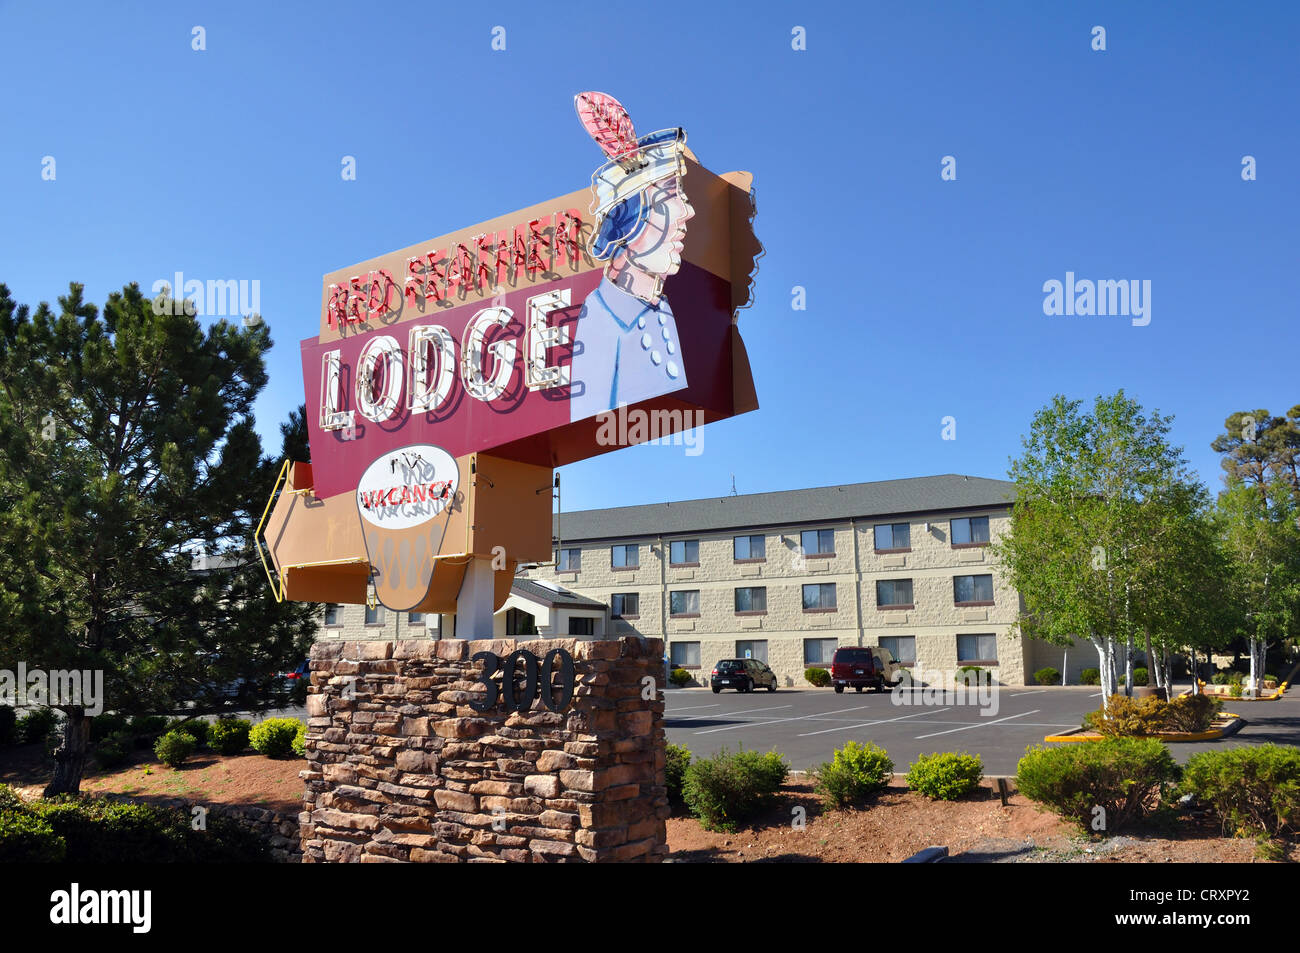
{"x":857,"y":581}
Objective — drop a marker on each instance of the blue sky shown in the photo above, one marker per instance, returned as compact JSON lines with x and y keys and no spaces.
{"x":924,"y":297}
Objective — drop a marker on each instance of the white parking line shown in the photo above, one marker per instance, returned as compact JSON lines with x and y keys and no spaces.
{"x":1018,"y":694}
{"x":732,"y":714}
{"x":868,"y":724}
{"x":689,"y":708}
{"x":772,"y":721}
{"x":977,"y":725}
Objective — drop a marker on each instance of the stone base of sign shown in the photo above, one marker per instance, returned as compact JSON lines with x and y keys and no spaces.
{"x":401,"y":768}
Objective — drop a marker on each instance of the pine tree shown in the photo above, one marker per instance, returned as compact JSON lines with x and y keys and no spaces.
{"x":131,"y":482}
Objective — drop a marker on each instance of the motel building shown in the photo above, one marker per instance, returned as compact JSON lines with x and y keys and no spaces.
{"x":785,"y":577}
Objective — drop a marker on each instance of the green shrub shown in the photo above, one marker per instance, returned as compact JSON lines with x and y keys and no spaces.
{"x":173,"y":748}
{"x":37,"y":725}
{"x":109,"y":723}
{"x":1234,"y":688}
{"x":817,"y":677}
{"x":946,"y":776}
{"x":115,"y":750}
{"x":973,"y":675}
{"x":8,"y":725}
{"x":680,"y":677}
{"x":1190,"y":713}
{"x":148,"y":724}
{"x":300,"y":740}
{"x":274,"y":736}
{"x":1141,"y":676}
{"x":1127,"y":717}
{"x":1221,"y":677}
{"x":1253,"y":790}
{"x":1090,"y":676}
{"x":677,"y":760}
{"x":196,"y":728}
{"x":855,"y":772}
{"x":9,"y":799}
{"x":104,"y":831}
{"x":1126,"y":777}
{"x":28,"y":838}
{"x":1047,"y":676}
{"x":228,"y":735}
{"x":727,"y":789}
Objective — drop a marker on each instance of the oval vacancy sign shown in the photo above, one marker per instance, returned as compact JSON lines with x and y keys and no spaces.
{"x":407,"y":487}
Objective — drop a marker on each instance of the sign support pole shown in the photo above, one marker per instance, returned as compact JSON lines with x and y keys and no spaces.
{"x":474,"y":603}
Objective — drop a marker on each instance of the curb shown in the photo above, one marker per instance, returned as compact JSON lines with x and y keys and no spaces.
{"x":1211,"y":734}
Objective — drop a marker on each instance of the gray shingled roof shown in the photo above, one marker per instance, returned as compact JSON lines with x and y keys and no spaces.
{"x":537,"y":592}
{"x":931,"y":494}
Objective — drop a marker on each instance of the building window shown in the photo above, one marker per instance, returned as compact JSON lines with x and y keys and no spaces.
{"x":751,"y":599}
{"x":684,"y":602}
{"x":819,"y":651}
{"x":970,"y":531}
{"x":819,"y":596}
{"x":893,"y":537}
{"x":625,"y":557}
{"x":415,"y":618}
{"x":972,"y":590}
{"x":582,"y":625}
{"x":333,"y":613}
{"x":519,"y":622}
{"x":755,"y":649}
{"x":624,"y":605}
{"x":817,"y":542}
{"x":375,"y":616}
{"x":570,"y":560}
{"x":894,"y":593}
{"x":685,"y":654}
{"x":684,"y":552}
{"x":982,"y":649}
{"x":901,"y":647}
{"x":749,"y":547}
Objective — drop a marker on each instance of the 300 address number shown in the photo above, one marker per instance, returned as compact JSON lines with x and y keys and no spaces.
{"x":517,"y":696}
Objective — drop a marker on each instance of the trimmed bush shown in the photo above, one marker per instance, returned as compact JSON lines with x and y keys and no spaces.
{"x":300,"y":740}
{"x":109,"y":723}
{"x":1126,"y":777}
{"x":103,"y":831}
{"x":680,"y":677}
{"x":855,"y":772}
{"x":946,"y":776}
{"x":148,"y":726}
{"x":1191,"y":713}
{"x":1221,"y":677}
{"x":9,"y":799}
{"x":1127,"y":717}
{"x":229,"y":735}
{"x":36,"y":725}
{"x":173,"y":748}
{"x":1047,"y":676}
{"x":28,"y":838}
{"x":677,"y":760}
{"x":196,"y":728}
{"x":727,"y":789}
{"x":1141,"y":676}
{"x":1253,"y":790}
{"x":274,"y":737}
{"x":8,"y":725}
{"x":115,"y":750}
{"x":817,"y":677}
{"x":972,"y":675}
{"x":1090,"y":676}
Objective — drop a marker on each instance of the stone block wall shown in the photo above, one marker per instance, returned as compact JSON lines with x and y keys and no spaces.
{"x":401,"y":768}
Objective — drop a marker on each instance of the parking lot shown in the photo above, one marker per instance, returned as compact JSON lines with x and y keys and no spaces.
{"x":808,"y":725}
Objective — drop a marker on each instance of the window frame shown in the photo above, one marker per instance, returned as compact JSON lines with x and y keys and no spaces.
{"x":977,"y":661}
{"x":338,"y":622}
{"x":683,"y":615}
{"x":625,"y":567}
{"x":952,"y":535}
{"x":572,"y":567}
{"x":887,"y":606}
{"x":380,"y":621}
{"x":834,"y":646}
{"x":819,"y":608}
{"x":891,"y":549}
{"x":820,"y":554}
{"x":893,"y":654}
{"x":689,"y":666}
{"x":687,"y":563}
{"x":749,"y":538}
{"x":735,"y":600}
{"x":975,"y":603}
{"x":623,"y":596}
